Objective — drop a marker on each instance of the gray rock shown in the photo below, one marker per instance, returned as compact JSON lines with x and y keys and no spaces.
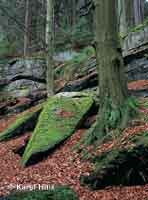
{"x":137,"y":69}
{"x":29,"y":67}
{"x":135,"y":41}
{"x":23,"y":87}
{"x":22,"y":77}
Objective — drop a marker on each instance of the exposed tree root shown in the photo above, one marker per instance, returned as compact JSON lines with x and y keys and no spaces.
{"x":111,"y":122}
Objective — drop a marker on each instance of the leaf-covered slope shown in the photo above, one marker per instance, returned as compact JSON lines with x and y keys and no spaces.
{"x":58,"y":120}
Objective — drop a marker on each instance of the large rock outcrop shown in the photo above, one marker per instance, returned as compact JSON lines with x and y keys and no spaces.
{"x":135,"y":41}
{"x":22,"y":77}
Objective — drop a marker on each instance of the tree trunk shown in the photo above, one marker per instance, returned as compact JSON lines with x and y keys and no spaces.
{"x":114,"y":109}
{"x":110,"y":66}
{"x":122,"y":17}
{"x":73,"y":14}
{"x":130,"y":13}
{"x":26,"y":34}
{"x":138,"y":11}
{"x":126,"y":15}
{"x":49,"y":48}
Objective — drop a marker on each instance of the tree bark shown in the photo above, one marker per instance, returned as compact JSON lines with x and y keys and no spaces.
{"x":49,"y":48}
{"x":26,"y":34}
{"x":130,"y":13}
{"x":114,"y":108}
{"x":122,"y":17}
{"x":126,"y":15}
{"x":138,"y":11}
{"x":110,"y":66}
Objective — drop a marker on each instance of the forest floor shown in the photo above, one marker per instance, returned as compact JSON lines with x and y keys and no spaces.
{"x":63,"y":166}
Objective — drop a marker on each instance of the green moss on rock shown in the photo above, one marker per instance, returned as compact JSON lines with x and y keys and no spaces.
{"x":126,"y":163}
{"x":58,"y":120}
{"x":122,"y":165}
{"x":24,"y":121}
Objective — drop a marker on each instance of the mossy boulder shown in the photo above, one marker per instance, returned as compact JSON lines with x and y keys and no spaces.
{"x":25,"y":121}
{"x":124,"y":164}
{"x":57,"y":121}
{"x":59,"y":193}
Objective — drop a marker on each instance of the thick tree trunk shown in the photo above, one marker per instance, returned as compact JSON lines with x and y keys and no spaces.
{"x":49,"y":48}
{"x":116,"y":106}
{"x":110,"y":66}
{"x":114,"y":109}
